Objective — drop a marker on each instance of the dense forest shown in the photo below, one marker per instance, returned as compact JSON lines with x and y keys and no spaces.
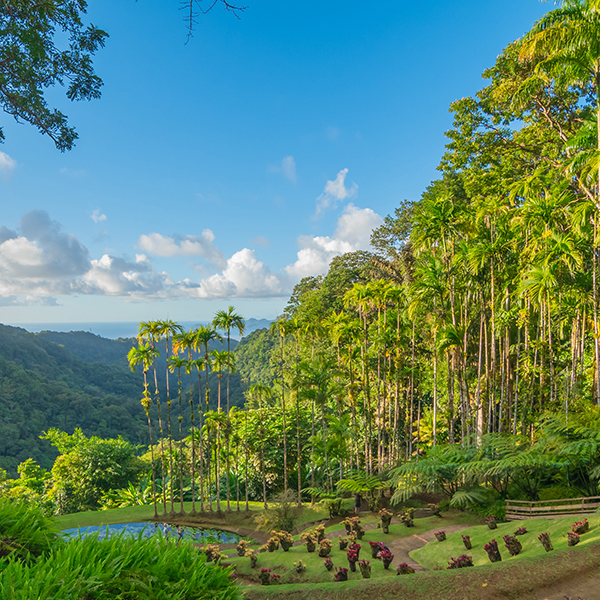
{"x":461,"y":355}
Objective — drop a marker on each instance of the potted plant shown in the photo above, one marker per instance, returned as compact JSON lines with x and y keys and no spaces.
{"x":242,"y":548}
{"x":513,"y":545}
{"x":342,"y":574}
{"x":356,"y":547}
{"x":572,"y":539}
{"x":521,"y":531}
{"x":324,"y":548}
{"x":407,"y":518}
{"x":347,"y":524}
{"x":460,"y":562}
{"x":328,"y":564}
{"x":365,"y":569}
{"x":545,"y":539}
{"x":491,"y":522}
{"x":386,"y":557}
{"x":404,"y":569}
{"x":467,"y":542}
{"x":436,"y":511}
{"x":492,"y":551}
{"x":272,"y":544}
{"x":343,"y":541}
{"x":440,"y":536}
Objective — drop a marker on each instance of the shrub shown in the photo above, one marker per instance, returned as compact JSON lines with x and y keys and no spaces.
{"x":352,"y":556}
{"x":342,"y":574}
{"x":320,"y":533}
{"x":265,"y":576}
{"x":285,"y":539}
{"x":440,"y":536}
{"x":407,"y":517}
{"x":521,"y":531}
{"x":365,"y":569}
{"x":462,"y":561}
{"x":436,"y":511}
{"x":375,"y":549}
{"x":272,"y":544}
{"x":513,"y":545}
{"x":212,"y":552}
{"x":310,"y":540}
{"x":328,"y":564}
{"x":343,"y":541}
{"x":386,"y":519}
{"x":404,"y":569}
{"x":492,"y":551}
{"x":274,"y":579}
{"x":242,"y":548}
{"x":300,"y":567}
{"x":491,"y":522}
{"x":25,"y":533}
{"x":467,"y":542}
{"x":118,"y":567}
{"x":324,"y":548}
{"x":545,"y":539}
{"x":253,"y":558}
{"x":580,"y":527}
{"x":572,"y":539}
{"x":386,"y":557}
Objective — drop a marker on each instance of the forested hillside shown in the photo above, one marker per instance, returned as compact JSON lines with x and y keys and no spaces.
{"x":70,"y":380}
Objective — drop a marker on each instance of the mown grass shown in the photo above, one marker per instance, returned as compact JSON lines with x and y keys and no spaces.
{"x":435,"y":555}
{"x":135,"y":514}
{"x":282,"y":563}
{"x":553,"y":575}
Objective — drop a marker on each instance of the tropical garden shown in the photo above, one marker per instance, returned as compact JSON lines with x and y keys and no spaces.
{"x":460,"y":358}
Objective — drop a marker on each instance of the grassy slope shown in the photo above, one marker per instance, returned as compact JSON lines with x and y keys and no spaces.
{"x":436,"y":555}
{"x":282,"y":562}
{"x":538,"y":577}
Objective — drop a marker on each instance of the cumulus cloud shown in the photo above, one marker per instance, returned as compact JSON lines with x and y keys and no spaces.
{"x":115,"y":276}
{"x":7,"y":165}
{"x":335,"y":191}
{"x":352,"y":233}
{"x":244,"y":277}
{"x":287,"y":168}
{"x":187,"y":245}
{"x":97,"y":216}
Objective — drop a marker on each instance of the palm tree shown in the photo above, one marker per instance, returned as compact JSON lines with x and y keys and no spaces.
{"x":145,"y":354}
{"x":149,"y":330}
{"x":214,"y":422}
{"x":167,"y":329}
{"x":257,"y":390}
{"x":178,"y":363}
{"x":185,"y":342}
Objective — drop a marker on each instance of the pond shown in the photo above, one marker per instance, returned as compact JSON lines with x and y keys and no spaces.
{"x":210,"y":536}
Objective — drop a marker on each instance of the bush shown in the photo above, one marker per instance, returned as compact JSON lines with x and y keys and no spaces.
{"x":118,"y":567}
{"x":513,"y":545}
{"x":492,"y":551}
{"x":460,"y":562}
{"x":25,"y":533}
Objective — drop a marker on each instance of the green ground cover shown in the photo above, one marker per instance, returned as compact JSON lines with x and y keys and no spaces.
{"x":435,"y":555}
{"x":135,"y":514}
{"x":282,"y":563}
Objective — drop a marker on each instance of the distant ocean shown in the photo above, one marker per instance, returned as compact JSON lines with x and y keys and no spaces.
{"x":113,"y":331}
{"x":126,"y":329}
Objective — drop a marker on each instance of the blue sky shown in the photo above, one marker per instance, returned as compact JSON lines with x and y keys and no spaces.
{"x":221,"y":171}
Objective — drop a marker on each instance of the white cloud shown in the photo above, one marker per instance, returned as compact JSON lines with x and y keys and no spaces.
{"x":244,"y":277}
{"x":115,"y":276}
{"x":335,"y":191}
{"x":187,"y":245}
{"x":7,"y":165}
{"x":353,"y":232}
{"x":287,"y":168}
{"x":97,"y":216}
